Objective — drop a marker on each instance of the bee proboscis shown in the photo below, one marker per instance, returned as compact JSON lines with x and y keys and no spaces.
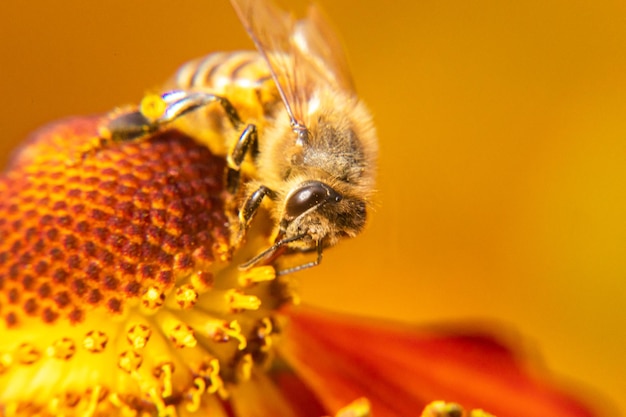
{"x":310,"y":138}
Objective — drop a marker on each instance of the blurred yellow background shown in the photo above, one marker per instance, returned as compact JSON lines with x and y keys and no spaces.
{"x":503,"y":150}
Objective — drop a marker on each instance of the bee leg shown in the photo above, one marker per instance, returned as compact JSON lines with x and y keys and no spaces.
{"x":308,"y":265}
{"x":120,"y":125}
{"x":126,"y":127}
{"x":251,"y":205}
{"x":247,"y":142}
{"x":180,"y":102}
{"x":157,"y":111}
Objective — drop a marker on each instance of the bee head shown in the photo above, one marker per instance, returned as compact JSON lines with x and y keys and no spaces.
{"x":317,"y":212}
{"x":315,"y":216}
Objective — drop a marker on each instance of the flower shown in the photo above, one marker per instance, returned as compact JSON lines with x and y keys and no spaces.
{"x":120,"y":295}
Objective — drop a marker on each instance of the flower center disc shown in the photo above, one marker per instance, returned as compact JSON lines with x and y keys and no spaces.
{"x":118,"y":290}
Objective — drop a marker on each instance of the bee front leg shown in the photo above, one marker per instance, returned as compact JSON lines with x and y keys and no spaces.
{"x":247,"y":142}
{"x":251,"y":206}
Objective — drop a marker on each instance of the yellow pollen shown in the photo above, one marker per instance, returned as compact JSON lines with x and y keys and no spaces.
{"x":152,"y":107}
{"x":164,"y":372}
{"x":196,"y":392}
{"x":244,"y":367}
{"x":27,"y":354}
{"x":257,"y":275}
{"x":138,"y":335}
{"x":94,"y":398}
{"x":62,"y":349}
{"x":216,"y":384}
{"x":5,"y":362}
{"x":54,"y":405}
{"x":186,"y":296}
{"x":238,"y":301}
{"x":445,"y":409}
{"x":162,"y":409}
{"x":129,"y":361}
{"x":358,"y":408}
{"x":95,"y":341}
{"x":264,"y":334}
{"x":202,"y":280}
{"x":153,"y":298}
{"x":222,"y":250}
{"x":182,"y":336}
{"x":227,"y":331}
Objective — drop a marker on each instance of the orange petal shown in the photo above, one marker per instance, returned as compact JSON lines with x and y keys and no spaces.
{"x":401,"y":369}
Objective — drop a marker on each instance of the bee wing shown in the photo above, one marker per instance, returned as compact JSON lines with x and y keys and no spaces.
{"x":316,"y":40}
{"x":303,"y":55}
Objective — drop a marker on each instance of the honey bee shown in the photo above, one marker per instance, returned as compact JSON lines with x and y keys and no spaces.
{"x":309,"y":137}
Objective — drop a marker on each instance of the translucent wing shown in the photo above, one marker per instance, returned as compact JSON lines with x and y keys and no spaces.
{"x":316,"y":40}
{"x":303,"y":55}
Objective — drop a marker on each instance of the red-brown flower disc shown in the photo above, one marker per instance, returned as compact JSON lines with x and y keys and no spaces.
{"x":116,"y":287}
{"x":84,"y":228}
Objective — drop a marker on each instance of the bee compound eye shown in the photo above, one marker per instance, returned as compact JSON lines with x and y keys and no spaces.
{"x":310,"y":195}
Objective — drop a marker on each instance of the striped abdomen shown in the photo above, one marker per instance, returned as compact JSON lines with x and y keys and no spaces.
{"x":219,"y":72}
{"x":243,"y":78}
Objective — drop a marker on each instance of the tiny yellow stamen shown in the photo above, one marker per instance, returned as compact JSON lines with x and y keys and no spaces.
{"x":222,"y":250}
{"x":138,"y":335}
{"x":257,"y":275}
{"x":216,"y":383}
{"x":196,"y":392}
{"x":54,"y":405}
{"x":164,"y":372}
{"x":115,"y":400}
{"x":202,"y":280}
{"x":27,"y":354}
{"x":358,"y":408}
{"x":264,"y":333}
{"x":5,"y":362}
{"x":238,"y":301}
{"x":94,"y":398}
{"x":95,"y":341}
{"x":441,"y":409}
{"x":445,"y":409}
{"x":182,"y":336}
{"x":129,"y":361}
{"x":480,"y":413}
{"x":162,"y":409}
{"x":62,"y":349}
{"x":186,"y":296}
{"x":244,"y":367}
{"x":227,"y":331}
{"x":153,"y":298}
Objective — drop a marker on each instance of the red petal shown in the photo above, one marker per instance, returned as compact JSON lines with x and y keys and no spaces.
{"x":261,"y":397}
{"x":298,"y":393}
{"x":400,"y":369}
